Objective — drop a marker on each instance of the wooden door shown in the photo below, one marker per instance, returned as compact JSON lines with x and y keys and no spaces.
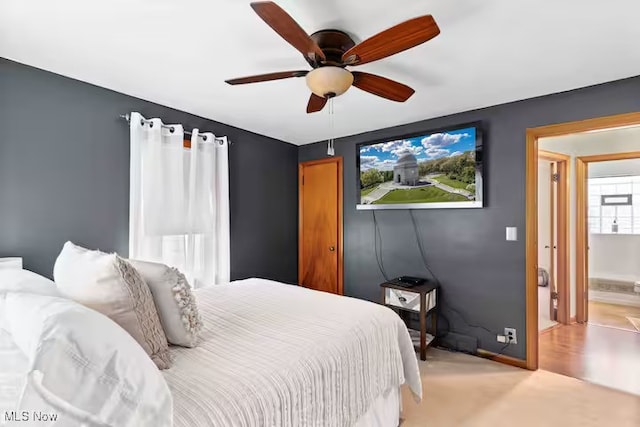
{"x":553,"y":243}
{"x":562,"y":253}
{"x":320,"y":225}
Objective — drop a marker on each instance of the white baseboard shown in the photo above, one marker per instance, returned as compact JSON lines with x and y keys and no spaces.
{"x":614,"y":298}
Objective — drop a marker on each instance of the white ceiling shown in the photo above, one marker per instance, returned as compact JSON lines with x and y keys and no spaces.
{"x":179,"y":52}
{"x":627,"y":167}
{"x":617,"y":140}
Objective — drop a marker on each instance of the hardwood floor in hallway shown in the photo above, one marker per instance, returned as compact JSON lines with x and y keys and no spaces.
{"x":614,"y":315}
{"x":602,"y":355}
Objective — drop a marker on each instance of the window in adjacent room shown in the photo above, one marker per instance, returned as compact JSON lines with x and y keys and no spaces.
{"x":614,"y":205}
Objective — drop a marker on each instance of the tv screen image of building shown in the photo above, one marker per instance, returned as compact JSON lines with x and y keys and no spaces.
{"x":439,"y":169}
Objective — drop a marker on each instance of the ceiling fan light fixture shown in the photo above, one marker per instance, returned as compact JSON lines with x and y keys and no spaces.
{"x":329,"y":81}
{"x":328,"y":51}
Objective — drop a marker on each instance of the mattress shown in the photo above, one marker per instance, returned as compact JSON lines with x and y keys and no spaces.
{"x":281,"y":355}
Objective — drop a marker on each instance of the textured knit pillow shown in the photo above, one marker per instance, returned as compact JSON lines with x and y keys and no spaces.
{"x":174,"y":300}
{"x":113,"y":287}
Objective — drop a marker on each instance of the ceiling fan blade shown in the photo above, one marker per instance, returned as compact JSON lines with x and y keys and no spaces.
{"x":288,"y":29}
{"x":396,"y":39}
{"x":382,"y":86}
{"x":316,"y":103}
{"x":266,"y":77}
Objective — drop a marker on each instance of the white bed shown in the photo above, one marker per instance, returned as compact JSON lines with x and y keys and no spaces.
{"x":281,"y":355}
{"x":14,"y":367}
{"x":270,"y":355}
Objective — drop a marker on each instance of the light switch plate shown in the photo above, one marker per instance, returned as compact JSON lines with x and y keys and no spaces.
{"x":512,"y":234}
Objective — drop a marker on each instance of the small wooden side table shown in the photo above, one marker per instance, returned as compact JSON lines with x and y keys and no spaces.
{"x":417,"y":299}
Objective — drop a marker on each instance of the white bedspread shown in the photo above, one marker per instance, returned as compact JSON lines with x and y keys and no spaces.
{"x":14,"y":366}
{"x":281,"y":355}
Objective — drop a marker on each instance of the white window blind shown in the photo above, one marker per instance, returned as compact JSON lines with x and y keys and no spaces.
{"x":602,"y":214}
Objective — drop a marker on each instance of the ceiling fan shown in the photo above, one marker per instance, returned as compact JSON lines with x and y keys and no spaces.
{"x":328,"y":52}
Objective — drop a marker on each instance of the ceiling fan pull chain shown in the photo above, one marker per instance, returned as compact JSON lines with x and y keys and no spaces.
{"x":330,"y":148}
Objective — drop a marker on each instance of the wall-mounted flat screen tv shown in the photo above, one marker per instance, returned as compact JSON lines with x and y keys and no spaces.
{"x":432,"y":169}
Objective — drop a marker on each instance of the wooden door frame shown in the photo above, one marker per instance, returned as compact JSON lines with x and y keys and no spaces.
{"x":582,"y":226}
{"x":340,"y":245}
{"x":531,"y":190}
{"x":563,"y":198}
{"x":553,"y":241}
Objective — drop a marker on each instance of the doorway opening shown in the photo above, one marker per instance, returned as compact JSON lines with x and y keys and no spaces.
{"x":577,"y":344}
{"x":609,"y":186}
{"x":553,"y":237}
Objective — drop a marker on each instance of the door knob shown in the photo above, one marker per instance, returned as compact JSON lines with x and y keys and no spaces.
{"x":332,"y":248}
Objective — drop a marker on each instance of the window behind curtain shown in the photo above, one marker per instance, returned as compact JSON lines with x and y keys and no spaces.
{"x":179,"y":200}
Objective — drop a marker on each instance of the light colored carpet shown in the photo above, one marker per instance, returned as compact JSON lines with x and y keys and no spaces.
{"x":466,"y":391}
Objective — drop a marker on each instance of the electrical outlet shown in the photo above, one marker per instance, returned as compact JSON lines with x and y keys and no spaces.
{"x":510,"y":333}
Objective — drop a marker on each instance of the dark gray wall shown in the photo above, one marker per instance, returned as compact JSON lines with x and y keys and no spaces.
{"x":482,"y":275}
{"x":64,"y":175}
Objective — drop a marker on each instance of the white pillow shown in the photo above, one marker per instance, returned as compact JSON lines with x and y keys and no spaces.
{"x":110,"y":285}
{"x":174,"y":300}
{"x":16,"y":280}
{"x":87,"y":364}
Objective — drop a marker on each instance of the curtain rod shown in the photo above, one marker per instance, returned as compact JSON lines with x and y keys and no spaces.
{"x":127,"y":117}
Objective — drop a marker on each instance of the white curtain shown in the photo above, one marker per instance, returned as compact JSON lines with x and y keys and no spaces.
{"x":179,"y":200}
